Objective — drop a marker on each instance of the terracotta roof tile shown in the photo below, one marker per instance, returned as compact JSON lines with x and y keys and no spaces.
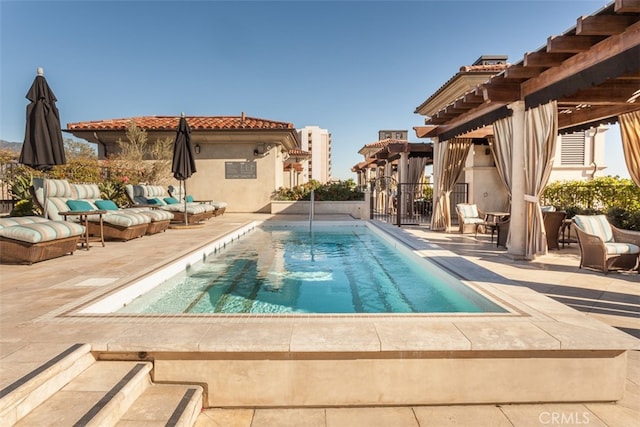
{"x":384,"y":142}
{"x":484,"y":68}
{"x":171,"y":122}
{"x":297,"y":152}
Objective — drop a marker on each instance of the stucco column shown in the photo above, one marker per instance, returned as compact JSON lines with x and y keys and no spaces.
{"x":403,"y":167}
{"x":517,"y":226}
{"x":436,"y":170}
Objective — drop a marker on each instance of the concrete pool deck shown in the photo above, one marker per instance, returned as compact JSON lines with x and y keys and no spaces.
{"x":33,"y":298}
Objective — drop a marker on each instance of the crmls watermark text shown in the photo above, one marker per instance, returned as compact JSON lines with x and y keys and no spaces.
{"x":564,"y":418}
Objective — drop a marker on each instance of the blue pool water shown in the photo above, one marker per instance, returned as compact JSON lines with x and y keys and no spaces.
{"x":330,"y":270}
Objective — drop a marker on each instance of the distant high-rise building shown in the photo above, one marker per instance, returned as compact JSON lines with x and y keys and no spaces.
{"x":317,"y":142}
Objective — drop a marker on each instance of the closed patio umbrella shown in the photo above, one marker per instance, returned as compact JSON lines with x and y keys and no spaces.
{"x":184,"y":159}
{"x":43,"y":145}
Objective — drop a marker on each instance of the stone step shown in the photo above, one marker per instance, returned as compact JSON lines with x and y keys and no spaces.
{"x":28,"y":392}
{"x":98,"y":396}
{"x":174,"y":405}
{"x":73,"y":389}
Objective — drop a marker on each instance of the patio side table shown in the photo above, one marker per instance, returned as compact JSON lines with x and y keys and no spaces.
{"x":83,"y":218}
{"x":565,"y":231}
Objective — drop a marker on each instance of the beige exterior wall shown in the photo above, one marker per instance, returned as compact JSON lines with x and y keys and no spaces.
{"x":485,"y":187}
{"x":266,"y":148}
{"x":594,"y":158}
{"x":242,"y":195}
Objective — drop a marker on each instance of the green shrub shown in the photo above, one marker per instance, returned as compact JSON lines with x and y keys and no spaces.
{"x":24,"y":208}
{"x":617,"y":198}
{"x":334,"y":191}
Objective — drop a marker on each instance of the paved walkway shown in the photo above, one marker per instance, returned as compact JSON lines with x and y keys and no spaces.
{"x":29,"y":336}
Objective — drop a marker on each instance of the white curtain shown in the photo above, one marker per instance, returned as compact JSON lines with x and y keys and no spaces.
{"x":501,"y":149}
{"x":416,"y":168}
{"x":414,"y":176}
{"x":452,"y":156}
{"x":541,"y":132}
{"x":630,"y":133}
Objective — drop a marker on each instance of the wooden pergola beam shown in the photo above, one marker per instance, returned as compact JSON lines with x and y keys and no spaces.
{"x":571,"y":44}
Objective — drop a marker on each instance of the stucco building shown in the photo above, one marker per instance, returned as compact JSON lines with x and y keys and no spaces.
{"x":239,"y":159}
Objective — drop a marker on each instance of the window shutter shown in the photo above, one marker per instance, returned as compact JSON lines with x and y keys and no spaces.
{"x":572,"y":149}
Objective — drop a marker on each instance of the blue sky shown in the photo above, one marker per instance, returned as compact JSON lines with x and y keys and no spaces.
{"x":352,"y":67}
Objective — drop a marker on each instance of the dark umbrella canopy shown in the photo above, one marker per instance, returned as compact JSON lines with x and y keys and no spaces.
{"x":184,"y":158}
{"x":43,"y":145}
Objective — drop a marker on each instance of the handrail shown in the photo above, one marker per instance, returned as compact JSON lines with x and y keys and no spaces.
{"x":311,"y":209}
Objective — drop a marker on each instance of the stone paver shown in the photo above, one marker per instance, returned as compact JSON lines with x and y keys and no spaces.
{"x":31,"y":297}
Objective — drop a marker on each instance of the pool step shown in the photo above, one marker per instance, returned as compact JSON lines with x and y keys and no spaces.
{"x":77,"y":390}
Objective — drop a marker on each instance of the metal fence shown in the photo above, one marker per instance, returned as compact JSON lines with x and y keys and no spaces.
{"x":408,"y":203}
{"x":7,"y":201}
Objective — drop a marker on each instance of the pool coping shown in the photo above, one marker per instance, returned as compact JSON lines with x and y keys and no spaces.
{"x":536,"y":322}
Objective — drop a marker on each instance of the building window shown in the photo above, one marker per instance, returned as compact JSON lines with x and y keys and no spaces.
{"x":572,"y":149}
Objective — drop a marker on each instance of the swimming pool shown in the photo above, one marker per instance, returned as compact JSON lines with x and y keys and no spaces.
{"x":288,"y":269}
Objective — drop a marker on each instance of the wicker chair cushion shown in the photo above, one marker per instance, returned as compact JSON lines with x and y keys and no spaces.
{"x":42,"y":231}
{"x":596,"y":225}
{"x":171,"y":201}
{"x":615,"y":248}
{"x":467,"y":210}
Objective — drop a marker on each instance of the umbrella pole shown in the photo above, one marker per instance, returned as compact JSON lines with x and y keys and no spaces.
{"x":44,"y":194}
{"x":184,"y":195}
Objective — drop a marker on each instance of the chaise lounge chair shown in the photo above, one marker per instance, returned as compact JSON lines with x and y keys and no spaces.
{"x":217,"y":207}
{"x":155,"y":196}
{"x":63,"y":196}
{"x":605,"y":247}
{"x":29,"y":239}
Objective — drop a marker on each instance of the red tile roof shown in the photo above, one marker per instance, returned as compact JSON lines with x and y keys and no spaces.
{"x":298,"y":152}
{"x":484,"y":68}
{"x":384,"y":142}
{"x":171,"y":122}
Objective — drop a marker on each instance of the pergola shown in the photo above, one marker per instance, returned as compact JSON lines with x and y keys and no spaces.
{"x":584,"y":77}
{"x":403,"y":154}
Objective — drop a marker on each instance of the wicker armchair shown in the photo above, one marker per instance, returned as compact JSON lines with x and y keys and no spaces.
{"x":552,"y":223}
{"x":470,"y":218}
{"x":605,"y":247}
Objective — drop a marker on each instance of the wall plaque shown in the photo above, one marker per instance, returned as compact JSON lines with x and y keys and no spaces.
{"x":240,"y":170}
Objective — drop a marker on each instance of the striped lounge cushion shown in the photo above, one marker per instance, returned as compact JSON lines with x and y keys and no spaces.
{"x":20,"y":220}
{"x":468,"y":211}
{"x":86,"y":191}
{"x":154,"y":214}
{"x":616,"y":248}
{"x":122,"y":219}
{"x":596,"y":225}
{"x":42,"y":231}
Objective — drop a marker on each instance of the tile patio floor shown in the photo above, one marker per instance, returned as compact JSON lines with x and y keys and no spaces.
{"x":30,"y":333}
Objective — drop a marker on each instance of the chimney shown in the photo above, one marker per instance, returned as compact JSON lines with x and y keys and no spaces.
{"x":243,"y":116}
